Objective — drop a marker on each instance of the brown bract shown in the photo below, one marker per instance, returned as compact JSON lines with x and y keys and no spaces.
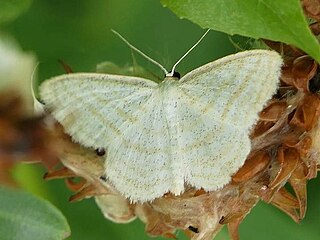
{"x":312,"y":8}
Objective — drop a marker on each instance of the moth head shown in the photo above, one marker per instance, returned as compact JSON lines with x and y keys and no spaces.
{"x":172,"y":75}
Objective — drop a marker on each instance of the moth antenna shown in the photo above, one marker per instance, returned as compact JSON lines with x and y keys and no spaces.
{"x":194,"y":45}
{"x":140,"y":52}
{"x":37,"y":106}
{"x":235,"y":45}
{"x":32,"y":81}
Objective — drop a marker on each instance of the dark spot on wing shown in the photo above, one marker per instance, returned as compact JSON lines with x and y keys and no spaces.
{"x":193,"y":229}
{"x":100,"y":151}
{"x":103,"y":178}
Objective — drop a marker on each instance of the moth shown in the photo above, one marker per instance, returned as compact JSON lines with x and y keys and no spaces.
{"x":162,"y":137}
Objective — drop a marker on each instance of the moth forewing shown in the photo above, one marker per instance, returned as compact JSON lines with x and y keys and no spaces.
{"x":92,"y":106}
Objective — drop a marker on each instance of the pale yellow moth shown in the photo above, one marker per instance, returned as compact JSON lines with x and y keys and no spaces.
{"x":161,"y":137}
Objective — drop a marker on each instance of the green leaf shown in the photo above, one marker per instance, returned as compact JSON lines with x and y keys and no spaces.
{"x":270,"y":19}
{"x":11,"y":9}
{"x":23,"y":216}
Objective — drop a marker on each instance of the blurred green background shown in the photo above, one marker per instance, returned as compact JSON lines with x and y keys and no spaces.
{"x":78,"y":32}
